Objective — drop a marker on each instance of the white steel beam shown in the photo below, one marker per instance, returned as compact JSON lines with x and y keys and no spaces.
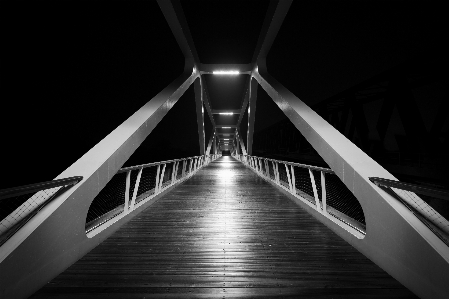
{"x":242,"y":145}
{"x":251,"y":114}
{"x":200,"y":113}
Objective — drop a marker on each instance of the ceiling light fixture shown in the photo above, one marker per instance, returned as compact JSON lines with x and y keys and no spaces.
{"x":226,"y":113}
{"x":225,"y":127}
{"x":226,"y":73}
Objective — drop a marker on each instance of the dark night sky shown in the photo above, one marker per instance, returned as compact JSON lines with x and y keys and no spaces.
{"x":72,"y":71}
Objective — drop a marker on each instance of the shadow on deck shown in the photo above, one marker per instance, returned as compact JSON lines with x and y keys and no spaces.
{"x":224,"y":233}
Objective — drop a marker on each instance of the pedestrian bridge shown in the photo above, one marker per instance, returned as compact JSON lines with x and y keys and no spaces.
{"x":223,"y":226}
{"x":224,"y":232}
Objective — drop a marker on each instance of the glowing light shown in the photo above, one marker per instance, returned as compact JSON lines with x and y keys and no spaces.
{"x":226,"y":113}
{"x":225,"y":138}
{"x":225,"y":127}
{"x":226,"y":73}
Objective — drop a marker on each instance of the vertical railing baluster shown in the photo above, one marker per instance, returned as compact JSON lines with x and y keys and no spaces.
{"x":267,"y":168}
{"x":190,"y":166}
{"x":162,"y":177}
{"x":174,"y":172}
{"x":156,"y":186}
{"x":276,"y":172}
{"x":127,"y":186}
{"x":184,"y":165}
{"x":323,"y":191}
{"x":293,"y":180}
{"x":288,"y":177}
{"x":136,"y":187}
{"x":315,"y":193}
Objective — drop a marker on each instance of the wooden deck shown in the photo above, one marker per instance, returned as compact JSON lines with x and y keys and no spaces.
{"x":224,"y":233}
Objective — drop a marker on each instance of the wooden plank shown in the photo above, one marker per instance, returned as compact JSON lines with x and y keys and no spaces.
{"x":224,"y":233}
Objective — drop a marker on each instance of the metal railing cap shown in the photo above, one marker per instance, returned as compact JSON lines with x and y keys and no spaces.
{"x":327,"y":170}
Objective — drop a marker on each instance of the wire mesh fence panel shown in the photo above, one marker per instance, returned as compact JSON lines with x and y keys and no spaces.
{"x":16,"y":210}
{"x":340,"y":198}
{"x":8,"y":205}
{"x":303,"y":185}
{"x":425,"y":212}
{"x":283,"y":179}
{"x":110,"y":201}
{"x":441,"y":206}
{"x":147,"y":183}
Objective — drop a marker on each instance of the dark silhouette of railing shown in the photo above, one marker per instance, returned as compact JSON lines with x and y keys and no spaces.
{"x":19,"y":204}
{"x":434,"y":218}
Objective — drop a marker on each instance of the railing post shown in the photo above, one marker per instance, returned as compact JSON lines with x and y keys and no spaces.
{"x":323,"y":191}
{"x":267,"y":168}
{"x":293,"y":180}
{"x":174,"y":173}
{"x":315,"y":193}
{"x":276,"y":172}
{"x":156,"y":187}
{"x":162,"y":177}
{"x":136,"y":187}
{"x":191,"y":166}
{"x":184,"y":164}
{"x":128,"y":183}
{"x":288,"y":177}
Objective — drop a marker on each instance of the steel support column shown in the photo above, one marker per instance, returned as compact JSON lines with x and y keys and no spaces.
{"x":240,"y":140}
{"x":209,"y":144}
{"x":200,"y":113}
{"x":251,"y":114}
{"x":215,"y":144}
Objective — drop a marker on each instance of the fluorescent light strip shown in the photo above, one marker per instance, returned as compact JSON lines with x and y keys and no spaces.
{"x":226,"y":73}
{"x":226,"y":113}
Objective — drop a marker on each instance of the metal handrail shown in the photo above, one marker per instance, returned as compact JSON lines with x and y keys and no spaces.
{"x":21,"y":190}
{"x":327,"y":170}
{"x":434,"y":192}
{"x":156,"y":163}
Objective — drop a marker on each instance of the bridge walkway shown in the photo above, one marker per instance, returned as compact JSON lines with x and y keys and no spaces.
{"x":224,"y":233}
